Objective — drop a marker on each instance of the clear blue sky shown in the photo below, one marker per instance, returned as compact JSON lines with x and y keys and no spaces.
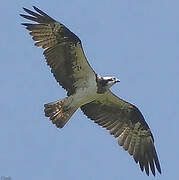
{"x":135,"y":40}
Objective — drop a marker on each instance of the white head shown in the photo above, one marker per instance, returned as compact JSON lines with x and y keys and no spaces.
{"x":109,"y":81}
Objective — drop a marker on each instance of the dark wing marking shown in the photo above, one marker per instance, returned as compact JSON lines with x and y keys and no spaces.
{"x":126,"y":123}
{"x":63,"y":50}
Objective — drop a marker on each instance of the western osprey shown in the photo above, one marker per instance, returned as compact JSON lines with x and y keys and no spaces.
{"x":89,"y":91}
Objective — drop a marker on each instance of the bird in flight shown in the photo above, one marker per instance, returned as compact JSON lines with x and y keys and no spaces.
{"x":89,"y":91}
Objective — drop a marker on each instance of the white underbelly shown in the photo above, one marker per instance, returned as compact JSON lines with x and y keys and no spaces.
{"x":86,"y":93}
{"x":84,"y":96}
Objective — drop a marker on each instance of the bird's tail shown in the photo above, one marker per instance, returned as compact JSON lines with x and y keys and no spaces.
{"x":59,"y":112}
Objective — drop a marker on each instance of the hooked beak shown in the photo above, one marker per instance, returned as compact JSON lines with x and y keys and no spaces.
{"x":117,"y":80}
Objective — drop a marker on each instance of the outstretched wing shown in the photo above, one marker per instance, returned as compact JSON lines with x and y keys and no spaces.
{"x":63,"y":50}
{"x":126,"y":123}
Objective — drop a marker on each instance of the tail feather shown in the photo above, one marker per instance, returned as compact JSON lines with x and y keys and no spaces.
{"x":58,"y":112}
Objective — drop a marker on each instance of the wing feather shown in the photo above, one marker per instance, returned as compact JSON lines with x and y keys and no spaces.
{"x":63,"y":50}
{"x":126,"y":123}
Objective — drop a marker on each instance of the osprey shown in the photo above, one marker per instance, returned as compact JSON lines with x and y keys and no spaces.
{"x":89,"y":91}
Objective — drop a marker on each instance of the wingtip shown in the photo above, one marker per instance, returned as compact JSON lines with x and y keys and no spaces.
{"x":158,"y":167}
{"x":25,"y":9}
{"x":35,"y":7}
{"x":24,"y":24}
{"x":153,"y":172}
{"x":159,"y":170}
{"x":22,"y":15}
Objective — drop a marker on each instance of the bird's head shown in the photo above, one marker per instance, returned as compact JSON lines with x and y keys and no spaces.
{"x":109,"y":81}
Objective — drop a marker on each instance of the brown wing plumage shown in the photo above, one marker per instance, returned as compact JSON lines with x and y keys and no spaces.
{"x":126,"y":123}
{"x":63,"y":50}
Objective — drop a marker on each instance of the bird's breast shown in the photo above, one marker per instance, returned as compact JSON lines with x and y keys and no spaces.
{"x":86,"y":94}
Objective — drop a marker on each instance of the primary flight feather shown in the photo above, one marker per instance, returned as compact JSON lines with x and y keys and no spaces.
{"x":89,"y":91}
